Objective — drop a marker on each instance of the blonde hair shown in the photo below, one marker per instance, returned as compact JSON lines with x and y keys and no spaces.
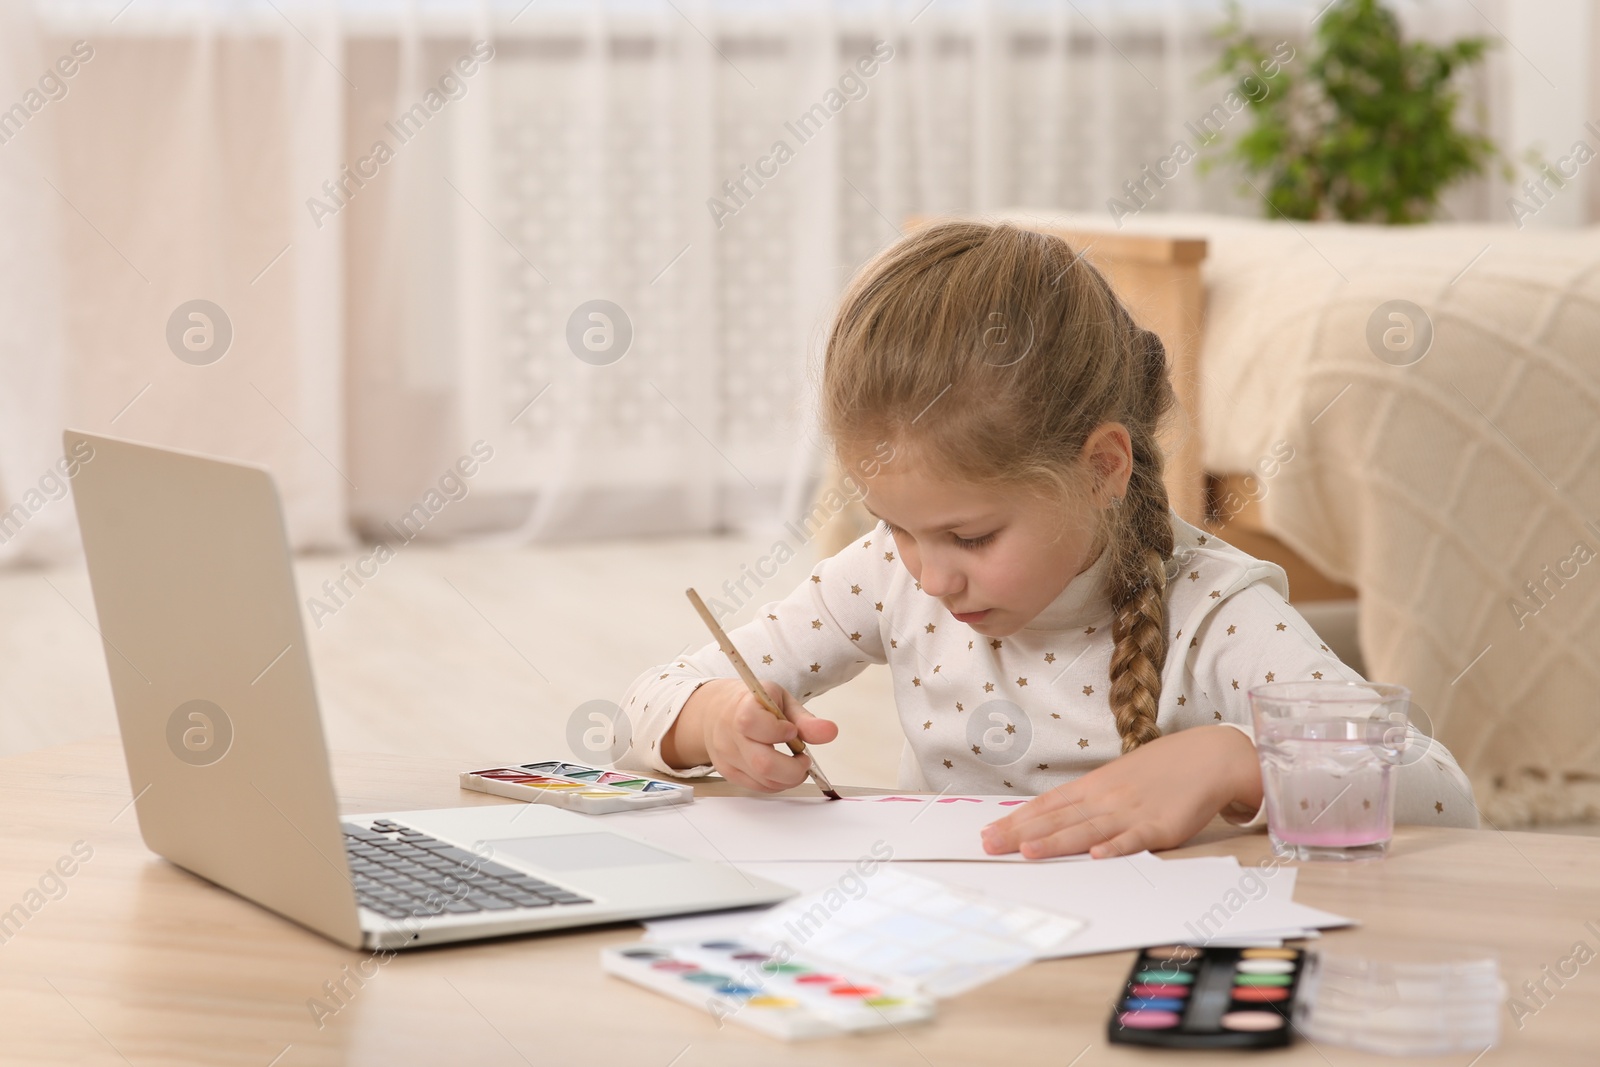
{"x":991,"y":353}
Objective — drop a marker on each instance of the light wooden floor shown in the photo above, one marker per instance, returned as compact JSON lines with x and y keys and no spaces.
{"x":476,"y":654}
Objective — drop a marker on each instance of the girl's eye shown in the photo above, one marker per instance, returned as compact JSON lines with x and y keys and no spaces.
{"x":961,"y":542}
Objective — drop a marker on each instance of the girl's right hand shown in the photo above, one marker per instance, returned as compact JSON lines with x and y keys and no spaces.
{"x":724,"y":725}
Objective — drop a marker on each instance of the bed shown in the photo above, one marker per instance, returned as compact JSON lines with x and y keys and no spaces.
{"x":1442,"y":491}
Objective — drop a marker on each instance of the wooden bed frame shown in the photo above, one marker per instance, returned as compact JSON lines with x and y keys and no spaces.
{"x":1159,"y":279}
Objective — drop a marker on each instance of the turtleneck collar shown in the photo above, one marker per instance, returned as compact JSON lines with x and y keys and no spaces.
{"x":1082,"y":603}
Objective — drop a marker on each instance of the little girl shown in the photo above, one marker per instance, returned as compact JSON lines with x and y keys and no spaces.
{"x":1052,"y":628}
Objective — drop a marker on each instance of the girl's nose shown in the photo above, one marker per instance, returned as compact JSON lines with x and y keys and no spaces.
{"x":941,"y":581}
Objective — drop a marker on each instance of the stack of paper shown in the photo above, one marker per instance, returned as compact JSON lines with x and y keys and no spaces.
{"x":836,"y":848}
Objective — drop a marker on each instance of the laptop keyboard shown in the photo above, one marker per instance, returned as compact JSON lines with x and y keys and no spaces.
{"x":400,"y":872}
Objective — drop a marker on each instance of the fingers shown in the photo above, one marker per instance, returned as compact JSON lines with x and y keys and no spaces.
{"x":767,"y":769}
{"x":1065,"y":828}
{"x":1130,"y":841}
{"x":1068,"y":840}
{"x":815,"y":731}
{"x":775,"y":782}
{"x":1000,"y":837}
{"x":760,"y":768}
{"x":1004,"y":835}
{"x":757,"y":724}
{"x":779,"y":696}
{"x":742,"y":748}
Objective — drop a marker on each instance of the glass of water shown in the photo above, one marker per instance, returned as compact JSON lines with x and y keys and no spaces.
{"x":1328,"y":755}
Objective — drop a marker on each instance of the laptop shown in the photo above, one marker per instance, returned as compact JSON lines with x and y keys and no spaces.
{"x":201,"y":626}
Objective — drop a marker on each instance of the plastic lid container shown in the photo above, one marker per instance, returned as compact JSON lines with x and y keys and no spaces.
{"x":1401,"y":998}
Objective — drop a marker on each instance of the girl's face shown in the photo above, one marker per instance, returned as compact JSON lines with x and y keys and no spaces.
{"x":994,"y":559}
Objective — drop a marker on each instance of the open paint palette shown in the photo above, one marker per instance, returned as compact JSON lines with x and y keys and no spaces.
{"x":874,"y":951}
{"x":591,"y":790}
{"x":1178,"y":996}
{"x":775,"y":993}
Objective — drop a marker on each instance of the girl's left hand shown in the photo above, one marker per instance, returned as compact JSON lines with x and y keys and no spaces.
{"x":1157,"y":796}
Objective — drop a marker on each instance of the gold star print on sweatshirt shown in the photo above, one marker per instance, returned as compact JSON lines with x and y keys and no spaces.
{"x":1020,"y":714}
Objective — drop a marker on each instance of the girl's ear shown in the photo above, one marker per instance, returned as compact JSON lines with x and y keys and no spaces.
{"x":1109,"y":453}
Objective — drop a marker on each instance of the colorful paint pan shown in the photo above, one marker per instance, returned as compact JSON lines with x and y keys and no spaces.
{"x":1164,"y":976}
{"x":1262,"y":979}
{"x":1178,"y":996}
{"x":622,"y":781}
{"x":786,"y":997}
{"x":504,"y":774}
{"x":1147,"y":990}
{"x":544,"y":768}
{"x":1259,"y":994}
{"x":591,"y":790}
{"x":1266,"y":967}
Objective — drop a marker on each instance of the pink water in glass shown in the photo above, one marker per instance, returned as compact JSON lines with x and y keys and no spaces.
{"x":1327,"y":792}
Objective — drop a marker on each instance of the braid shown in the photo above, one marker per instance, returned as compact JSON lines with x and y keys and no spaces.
{"x":1142,"y":543}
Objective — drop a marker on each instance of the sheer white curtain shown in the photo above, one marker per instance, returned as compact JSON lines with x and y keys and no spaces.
{"x":391,"y":308}
{"x":168,"y":167}
{"x":716,"y":172}
{"x":35,"y":524}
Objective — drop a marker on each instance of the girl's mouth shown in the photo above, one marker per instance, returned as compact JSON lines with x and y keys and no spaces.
{"x":971,"y":616}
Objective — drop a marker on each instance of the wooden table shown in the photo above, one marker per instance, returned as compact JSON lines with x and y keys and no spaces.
{"x":141,"y":963}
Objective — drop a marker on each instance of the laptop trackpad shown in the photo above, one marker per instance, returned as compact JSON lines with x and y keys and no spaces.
{"x":574,"y":852}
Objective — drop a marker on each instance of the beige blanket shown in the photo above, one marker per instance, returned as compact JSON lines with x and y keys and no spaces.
{"x":1459,"y":491}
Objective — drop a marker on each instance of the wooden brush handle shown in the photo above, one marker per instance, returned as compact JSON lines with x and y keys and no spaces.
{"x":757,"y":690}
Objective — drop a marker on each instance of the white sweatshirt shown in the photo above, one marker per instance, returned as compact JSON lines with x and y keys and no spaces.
{"x":1024,"y":713}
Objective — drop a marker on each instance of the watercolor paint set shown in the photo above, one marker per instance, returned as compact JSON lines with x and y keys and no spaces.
{"x":1178,"y":996}
{"x":876,"y":948}
{"x":778,"y":994}
{"x":591,"y":790}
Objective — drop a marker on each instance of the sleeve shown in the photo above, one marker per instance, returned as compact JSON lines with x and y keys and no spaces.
{"x":821,"y":635}
{"x":1255,"y":636}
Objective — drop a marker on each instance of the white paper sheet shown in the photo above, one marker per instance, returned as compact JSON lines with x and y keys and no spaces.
{"x":1144,"y":900}
{"x":742,"y":830}
{"x":943,"y":938}
{"x":1127,"y":902}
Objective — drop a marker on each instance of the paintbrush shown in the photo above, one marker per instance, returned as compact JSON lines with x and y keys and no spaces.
{"x":757,"y":690}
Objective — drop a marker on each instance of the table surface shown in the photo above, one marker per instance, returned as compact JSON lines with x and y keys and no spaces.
{"x":139,"y":962}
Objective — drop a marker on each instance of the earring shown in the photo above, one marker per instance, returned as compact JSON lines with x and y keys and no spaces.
{"x":1116,"y":501}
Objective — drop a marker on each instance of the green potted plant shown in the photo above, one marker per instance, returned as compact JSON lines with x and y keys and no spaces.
{"x":1366,"y":129}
